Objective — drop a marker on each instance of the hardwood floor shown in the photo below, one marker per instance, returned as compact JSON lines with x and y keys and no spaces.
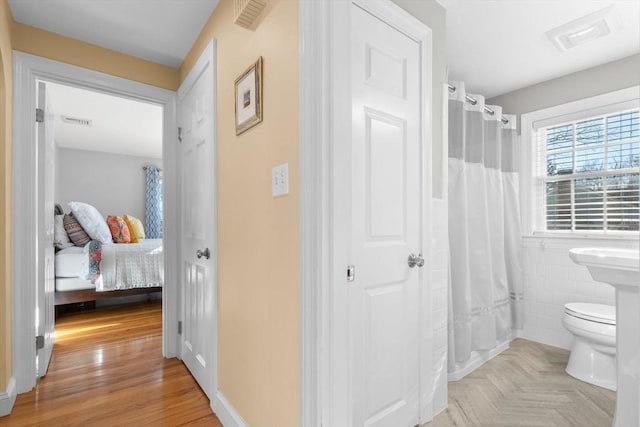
{"x":526,"y":386}
{"x":107,"y":369}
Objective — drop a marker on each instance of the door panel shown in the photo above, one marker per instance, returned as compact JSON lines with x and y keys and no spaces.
{"x":45,"y":311}
{"x":197,"y":163}
{"x":386,"y":223}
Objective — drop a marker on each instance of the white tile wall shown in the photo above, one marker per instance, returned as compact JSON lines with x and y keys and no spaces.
{"x":440,"y":301}
{"x":552,"y":279}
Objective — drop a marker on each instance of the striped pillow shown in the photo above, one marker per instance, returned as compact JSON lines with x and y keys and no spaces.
{"x":75,"y":231}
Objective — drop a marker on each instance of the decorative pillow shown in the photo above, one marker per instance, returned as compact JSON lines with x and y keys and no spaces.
{"x":75,"y":231}
{"x":60,"y":237}
{"x":135,"y":228}
{"x":119,"y":229}
{"x":92,"y":221}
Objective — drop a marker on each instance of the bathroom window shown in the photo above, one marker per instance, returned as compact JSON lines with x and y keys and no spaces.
{"x":585,"y":170}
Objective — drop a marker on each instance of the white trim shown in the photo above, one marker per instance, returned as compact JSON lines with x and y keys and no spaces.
{"x":226,"y":413}
{"x":315,"y":128}
{"x":28,"y":69}
{"x":595,"y":105}
{"x":206,"y":61}
{"x":8,"y":398}
{"x":322,"y":45}
{"x":477,"y":359}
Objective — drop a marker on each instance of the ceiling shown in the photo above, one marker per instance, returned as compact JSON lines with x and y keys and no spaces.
{"x":497,"y":46}
{"x":161,"y":31}
{"x":119,"y":125}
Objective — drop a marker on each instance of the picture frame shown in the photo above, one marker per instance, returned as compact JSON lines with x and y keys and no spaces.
{"x":248,"y":97}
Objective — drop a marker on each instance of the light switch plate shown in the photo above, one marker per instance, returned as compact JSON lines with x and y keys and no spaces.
{"x":280,"y":180}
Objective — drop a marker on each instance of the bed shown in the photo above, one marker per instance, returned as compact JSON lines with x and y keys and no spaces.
{"x":124,"y":269}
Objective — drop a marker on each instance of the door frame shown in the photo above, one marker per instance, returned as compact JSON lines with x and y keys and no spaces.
{"x":27,"y":70}
{"x":324,"y":46}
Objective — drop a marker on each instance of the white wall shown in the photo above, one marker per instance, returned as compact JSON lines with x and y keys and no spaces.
{"x":439,"y":284}
{"x":551,"y":278}
{"x":113,"y":183}
{"x":594,"y":81}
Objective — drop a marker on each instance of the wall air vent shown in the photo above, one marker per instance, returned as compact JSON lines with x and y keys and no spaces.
{"x":598,"y":24}
{"x":246,"y":12}
{"x":76,"y":121}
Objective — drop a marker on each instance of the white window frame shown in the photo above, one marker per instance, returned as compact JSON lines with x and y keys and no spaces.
{"x":621,"y":100}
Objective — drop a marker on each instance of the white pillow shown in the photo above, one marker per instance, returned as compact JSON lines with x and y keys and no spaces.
{"x":92,"y":221}
{"x":60,"y":236}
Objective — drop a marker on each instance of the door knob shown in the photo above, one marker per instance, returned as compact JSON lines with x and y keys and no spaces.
{"x":415,"y":260}
{"x":204,"y":253}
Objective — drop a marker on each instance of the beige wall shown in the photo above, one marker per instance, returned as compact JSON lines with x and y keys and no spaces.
{"x":258,"y":337}
{"x":6,"y":100}
{"x":594,"y":81}
{"x":433,"y":15}
{"x":64,"y":49}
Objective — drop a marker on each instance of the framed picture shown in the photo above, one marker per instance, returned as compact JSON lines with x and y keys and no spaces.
{"x":249,"y":98}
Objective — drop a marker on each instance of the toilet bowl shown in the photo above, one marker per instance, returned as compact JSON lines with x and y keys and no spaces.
{"x":593,"y":353}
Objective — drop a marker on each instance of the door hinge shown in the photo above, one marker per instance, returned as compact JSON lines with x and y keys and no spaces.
{"x":179,"y":327}
{"x":180,"y":134}
{"x":39,"y":115}
{"x":351,"y":273}
{"x":39,"y":342}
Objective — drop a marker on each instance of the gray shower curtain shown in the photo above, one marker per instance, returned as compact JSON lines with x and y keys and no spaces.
{"x":484,"y":227}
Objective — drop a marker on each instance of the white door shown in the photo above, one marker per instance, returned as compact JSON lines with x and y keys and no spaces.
{"x":45,"y":310}
{"x":386,"y":225}
{"x":196,"y":115}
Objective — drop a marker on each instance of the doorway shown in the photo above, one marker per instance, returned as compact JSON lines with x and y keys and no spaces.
{"x":28,"y":70}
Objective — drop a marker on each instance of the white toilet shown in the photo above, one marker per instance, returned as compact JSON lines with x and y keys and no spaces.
{"x":593,"y":354}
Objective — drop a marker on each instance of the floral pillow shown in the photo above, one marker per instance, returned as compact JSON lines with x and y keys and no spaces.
{"x":119,"y":230}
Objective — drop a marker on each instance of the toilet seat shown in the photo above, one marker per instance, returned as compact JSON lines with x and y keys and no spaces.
{"x":598,"y":313}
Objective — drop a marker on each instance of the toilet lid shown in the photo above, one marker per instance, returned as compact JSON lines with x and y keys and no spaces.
{"x":600,"y":313}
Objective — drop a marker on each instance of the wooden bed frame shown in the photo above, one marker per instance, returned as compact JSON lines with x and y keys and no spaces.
{"x":86,"y":295}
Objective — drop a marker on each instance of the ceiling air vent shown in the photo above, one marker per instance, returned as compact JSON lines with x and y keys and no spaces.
{"x":76,"y":121}
{"x":598,"y":24}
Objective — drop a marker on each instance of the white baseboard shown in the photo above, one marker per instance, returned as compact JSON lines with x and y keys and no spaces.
{"x":8,"y":398}
{"x":478,"y":358}
{"x":225,"y":412}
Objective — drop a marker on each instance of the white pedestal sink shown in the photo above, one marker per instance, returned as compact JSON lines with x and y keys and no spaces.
{"x":620,"y":268}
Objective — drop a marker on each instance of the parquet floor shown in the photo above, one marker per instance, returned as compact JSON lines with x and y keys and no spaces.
{"x":526,"y":386}
{"x":107,"y":369}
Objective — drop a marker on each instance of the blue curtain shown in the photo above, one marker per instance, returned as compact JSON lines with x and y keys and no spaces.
{"x":153,"y":214}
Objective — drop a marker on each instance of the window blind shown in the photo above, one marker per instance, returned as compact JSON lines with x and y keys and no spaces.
{"x":587,"y":174}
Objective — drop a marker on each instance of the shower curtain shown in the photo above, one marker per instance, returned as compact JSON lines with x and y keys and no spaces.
{"x":484,"y":227}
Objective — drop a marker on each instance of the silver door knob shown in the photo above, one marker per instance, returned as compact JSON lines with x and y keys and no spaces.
{"x":204,"y":253}
{"x":415,"y":260}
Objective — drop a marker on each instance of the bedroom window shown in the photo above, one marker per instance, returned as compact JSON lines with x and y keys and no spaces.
{"x":585,"y":171}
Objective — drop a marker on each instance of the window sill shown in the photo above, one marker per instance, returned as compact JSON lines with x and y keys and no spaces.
{"x":564,"y":240}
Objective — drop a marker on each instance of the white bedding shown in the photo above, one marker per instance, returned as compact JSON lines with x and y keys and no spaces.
{"x":131,"y":265}
{"x":69,"y":262}
{"x":72,"y":284}
{"x":123,"y":266}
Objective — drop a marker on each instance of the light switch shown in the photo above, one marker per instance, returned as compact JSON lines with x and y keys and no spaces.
{"x":280,"y":180}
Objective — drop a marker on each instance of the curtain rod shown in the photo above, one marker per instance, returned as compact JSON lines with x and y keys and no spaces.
{"x":474,"y":101}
